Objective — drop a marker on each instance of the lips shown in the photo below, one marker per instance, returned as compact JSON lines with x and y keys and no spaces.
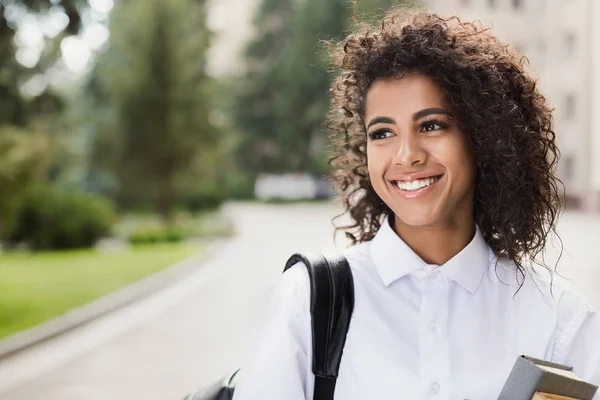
{"x":409,"y":177}
{"x":414,"y":189}
{"x":417,"y":184}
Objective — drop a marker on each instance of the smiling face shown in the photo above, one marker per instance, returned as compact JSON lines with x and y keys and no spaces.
{"x":419,"y":161}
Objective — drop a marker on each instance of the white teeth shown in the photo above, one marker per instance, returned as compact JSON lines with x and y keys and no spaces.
{"x":415,"y":185}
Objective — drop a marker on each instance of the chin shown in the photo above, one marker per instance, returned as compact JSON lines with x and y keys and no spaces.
{"x":417,"y":219}
{"x":418,"y":222}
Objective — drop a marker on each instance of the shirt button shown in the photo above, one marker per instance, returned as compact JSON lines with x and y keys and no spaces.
{"x":435,"y":387}
{"x":433,"y":327}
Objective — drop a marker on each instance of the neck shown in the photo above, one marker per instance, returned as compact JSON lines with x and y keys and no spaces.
{"x":436,"y":244}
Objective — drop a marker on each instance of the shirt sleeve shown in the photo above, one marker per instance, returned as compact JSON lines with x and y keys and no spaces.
{"x":579,"y":343}
{"x":279,"y":366}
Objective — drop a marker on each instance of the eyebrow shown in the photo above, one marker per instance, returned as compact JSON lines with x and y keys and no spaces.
{"x":381,"y":120}
{"x":416,"y":116}
{"x":428,"y":111}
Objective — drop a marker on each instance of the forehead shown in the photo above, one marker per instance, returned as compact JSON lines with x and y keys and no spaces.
{"x":406,"y":95}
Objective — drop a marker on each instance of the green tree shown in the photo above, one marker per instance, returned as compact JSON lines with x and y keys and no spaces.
{"x":302,"y":106}
{"x":153,"y":99}
{"x":23,"y":157}
{"x":15,"y":108}
{"x":375,"y":9}
{"x":256,"y":93}
{"x":278,"y":109}
{"x":282,"y":99}
{"x":26,"y":122}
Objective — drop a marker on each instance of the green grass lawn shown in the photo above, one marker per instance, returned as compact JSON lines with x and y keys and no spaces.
{"x":203,"y":224}
{"x":35,"y":287}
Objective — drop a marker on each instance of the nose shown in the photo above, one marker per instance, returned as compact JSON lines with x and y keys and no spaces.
{"x":410,"y":152}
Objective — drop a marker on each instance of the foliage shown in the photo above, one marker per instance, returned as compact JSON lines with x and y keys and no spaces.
{"x":22,"y":160}
{"x":280,"y":103}
{"x":15,"y":108}
{"x":152,"y":97}
{"x":255,"y":95}
{"x":51,"y":218}
{"x":283,"y":97}
{"x":206,"y":197}
{"x":162,"y":234}
{"x":375,"y":9}
{"x":31,"y":144}
{"x":147,"y":228}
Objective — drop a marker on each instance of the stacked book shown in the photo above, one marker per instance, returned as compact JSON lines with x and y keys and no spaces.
{"x":533,"y":379}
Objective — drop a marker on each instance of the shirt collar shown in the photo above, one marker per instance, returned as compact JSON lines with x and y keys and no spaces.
{"x":393,"y":259}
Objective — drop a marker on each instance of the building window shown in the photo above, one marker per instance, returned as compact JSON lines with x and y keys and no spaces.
{"x":569,"y":168}
{"x":518,"y":4}
{"x":570,"y":44}
{"x":542,"y":5}
{"x":541,"y":52}
{"x":569,"y":107}
{"x":492,"y":3}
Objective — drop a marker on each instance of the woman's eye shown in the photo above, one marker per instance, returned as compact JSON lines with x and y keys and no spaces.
{"x":430,"y":126}
{"x":380,"y":134}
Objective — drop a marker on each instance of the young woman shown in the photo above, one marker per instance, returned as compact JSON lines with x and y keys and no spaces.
{"x":446,"y":159}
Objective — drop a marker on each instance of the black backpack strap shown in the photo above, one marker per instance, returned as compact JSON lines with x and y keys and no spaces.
{"x":331,"y":307}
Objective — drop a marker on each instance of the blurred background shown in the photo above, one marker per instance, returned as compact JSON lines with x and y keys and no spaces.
{"x":161,"y":159}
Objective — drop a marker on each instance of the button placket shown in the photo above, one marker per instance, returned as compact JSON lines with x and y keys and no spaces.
{"x":434,"y":327}
{"x":433,"y":344}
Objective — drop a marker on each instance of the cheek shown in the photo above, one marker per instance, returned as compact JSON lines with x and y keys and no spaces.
{"x":467,"y":159}
{"x":375,"y":163}
{"x":455,"y":155}
{"x":463,"y":165}
{"x":370,"y":160}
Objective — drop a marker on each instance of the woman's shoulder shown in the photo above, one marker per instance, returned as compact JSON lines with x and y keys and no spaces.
{"x":576,"y":321}
{"x":561,"y":294}
{"x":296,"y":280}
{"x":296,"y":277}
{"x":573,"y":307}
{"x":568,"y":297}
{"x":358,"y":256}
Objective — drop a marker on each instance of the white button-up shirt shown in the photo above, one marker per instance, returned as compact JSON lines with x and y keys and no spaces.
{"x":425,"y":331}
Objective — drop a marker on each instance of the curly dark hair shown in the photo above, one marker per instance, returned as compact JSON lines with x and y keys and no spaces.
{"x":507,"y":121}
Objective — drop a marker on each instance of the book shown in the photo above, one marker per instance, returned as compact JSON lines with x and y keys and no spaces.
{"x":547,"y":396}
{"x":531,"y":377}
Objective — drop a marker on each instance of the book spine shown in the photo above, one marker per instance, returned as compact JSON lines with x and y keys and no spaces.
{"x":564,"y":386}
{"x":522,"y":382}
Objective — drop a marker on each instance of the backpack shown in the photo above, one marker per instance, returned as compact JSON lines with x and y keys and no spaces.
{"x":331,"y":307}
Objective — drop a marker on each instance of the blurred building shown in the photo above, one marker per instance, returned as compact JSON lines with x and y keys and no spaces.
{"x":557,"y":36}
{"x":594,"y":198}
{"x":231,"y":23}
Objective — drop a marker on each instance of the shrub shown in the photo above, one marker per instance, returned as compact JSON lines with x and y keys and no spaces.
{"x":240,"y":185}
{"x":156,"y":235}
{"x":207,"y":196}
{"x":51,"y":218}
{"x":23,"y":159}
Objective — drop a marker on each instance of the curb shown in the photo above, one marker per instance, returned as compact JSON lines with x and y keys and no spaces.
{"x":106,"y":304}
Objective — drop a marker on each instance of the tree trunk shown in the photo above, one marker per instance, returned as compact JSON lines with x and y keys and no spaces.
{"x":165,"y":198}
